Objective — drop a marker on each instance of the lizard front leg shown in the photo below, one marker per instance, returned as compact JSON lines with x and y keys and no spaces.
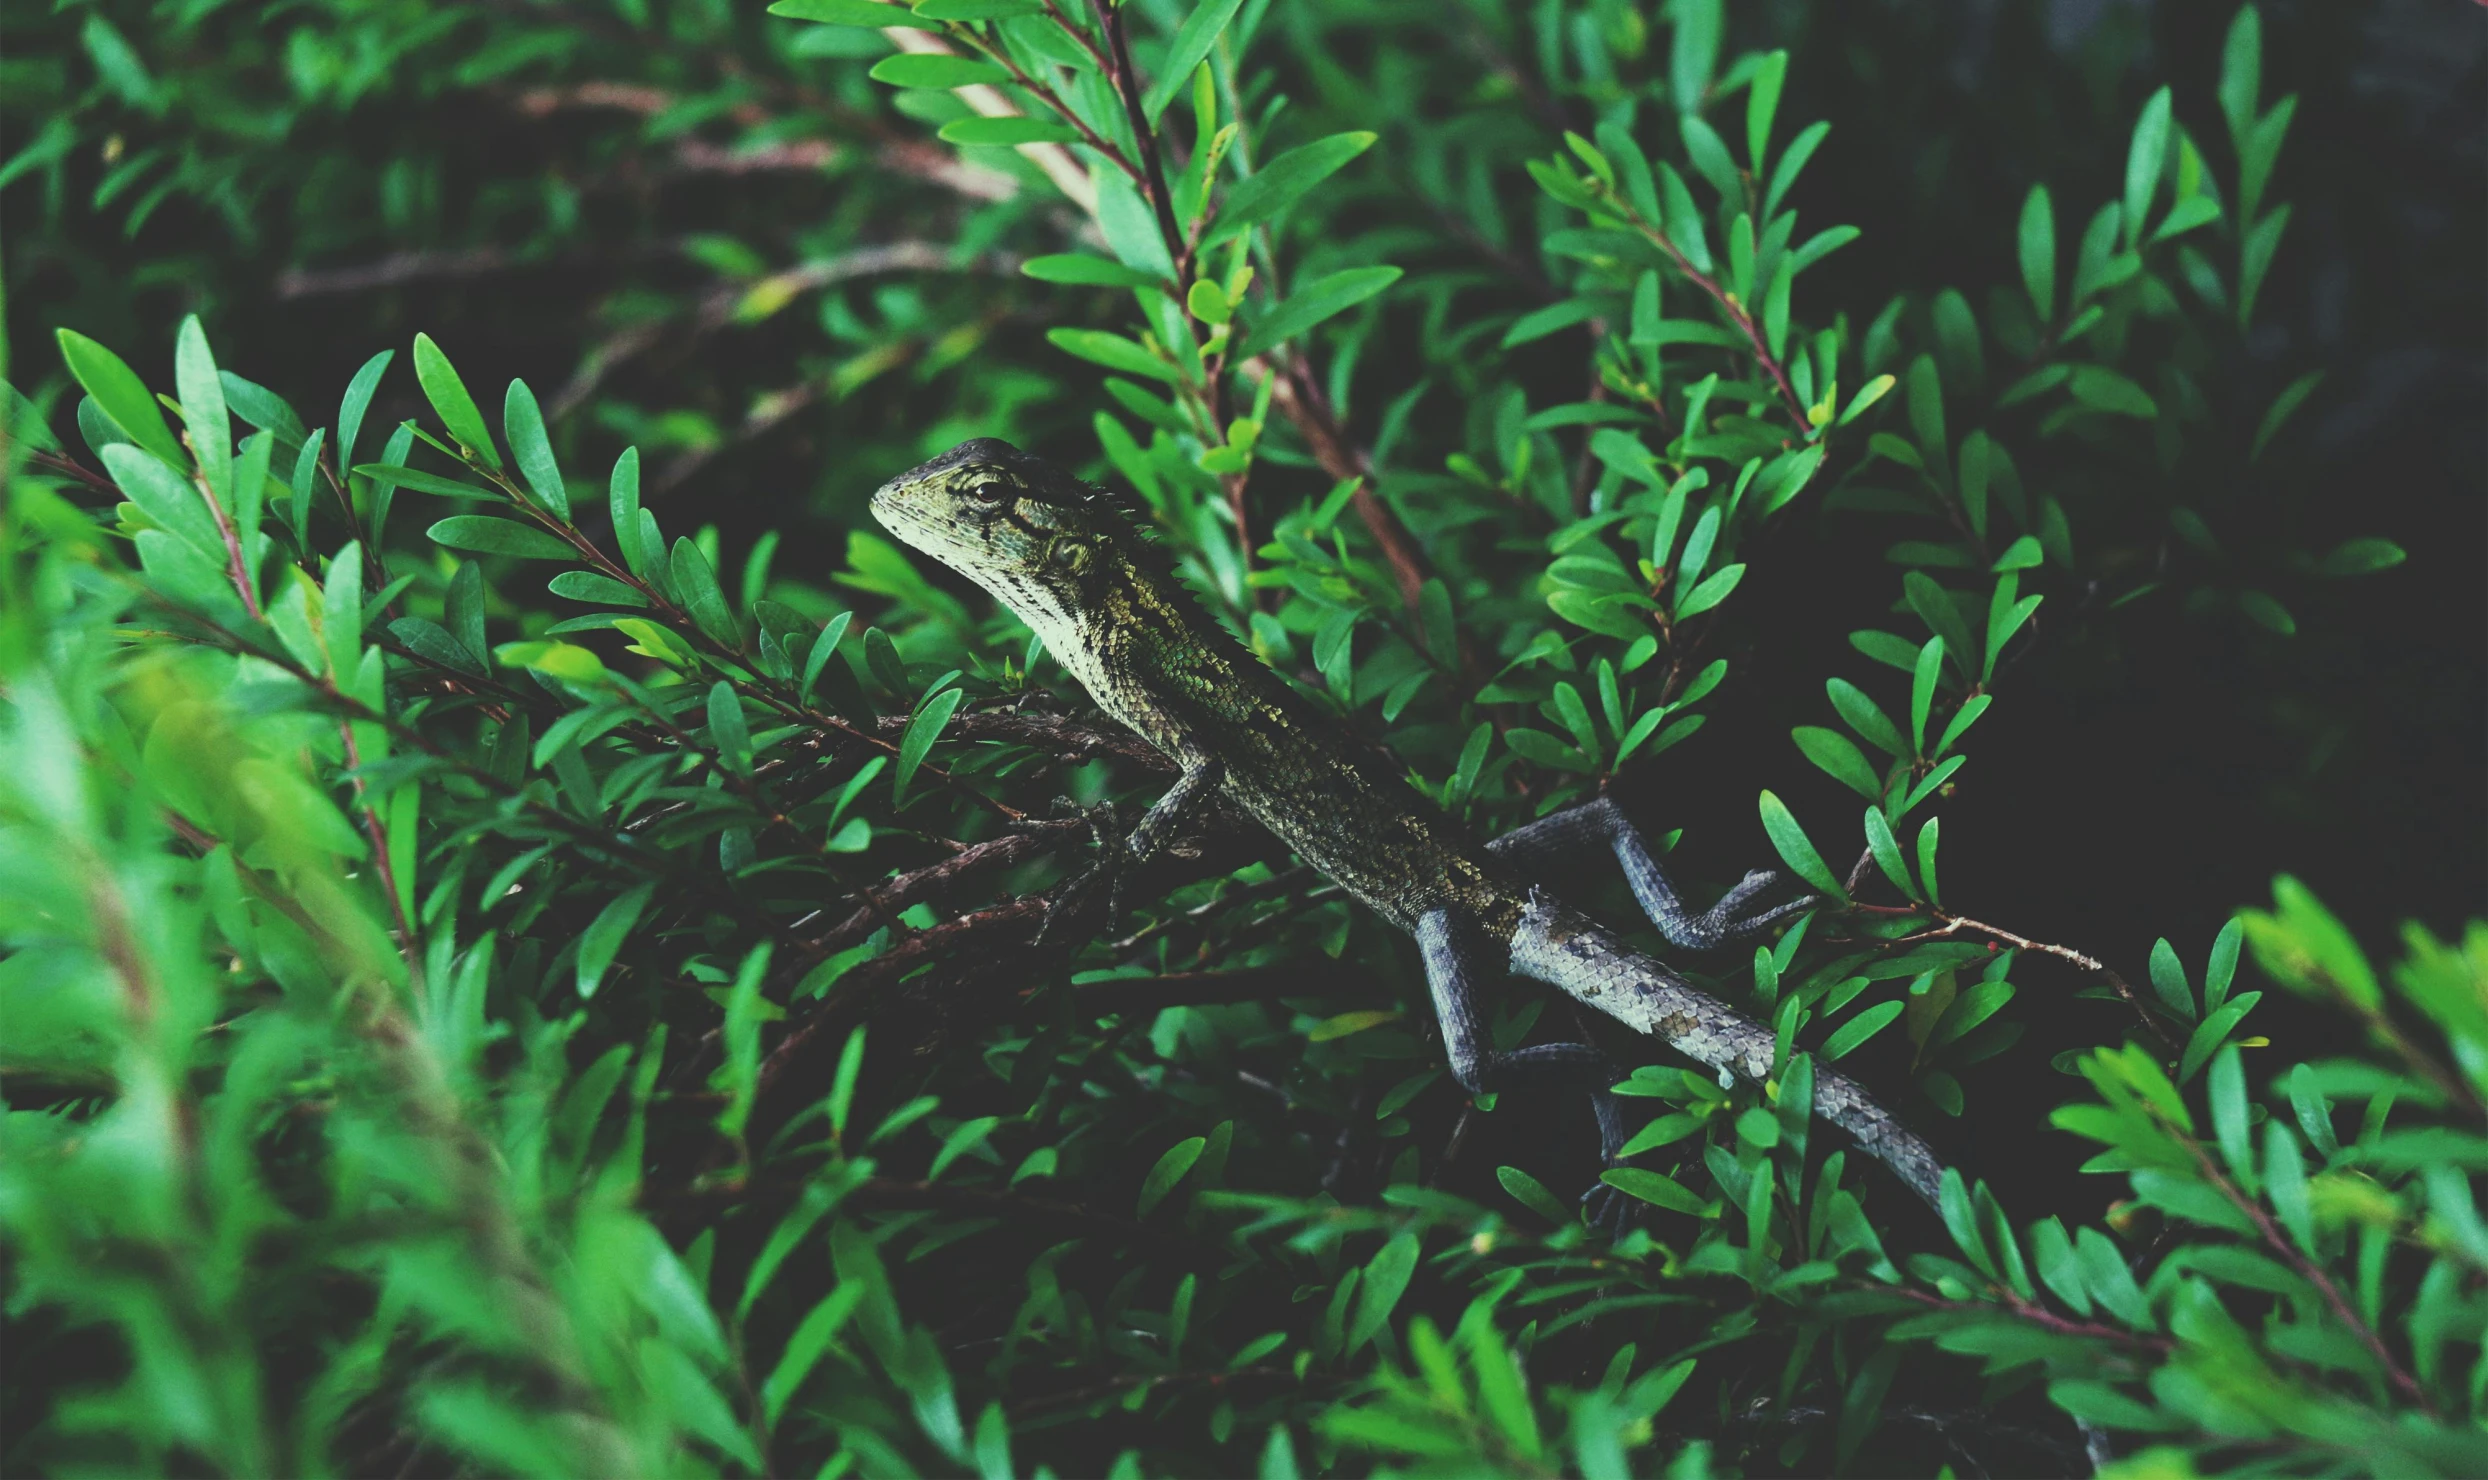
{"x":1603,"y":823}
{"x":1158,"y":827}
{"x":1454,"y":955}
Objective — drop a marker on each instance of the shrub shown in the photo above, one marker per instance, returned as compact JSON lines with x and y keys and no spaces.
{"x":457,"y":1027}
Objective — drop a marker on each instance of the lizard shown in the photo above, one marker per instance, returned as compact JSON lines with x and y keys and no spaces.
{"x":1078,"y":564}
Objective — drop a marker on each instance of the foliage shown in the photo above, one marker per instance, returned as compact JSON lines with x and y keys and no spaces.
{"x":453,"y":1026}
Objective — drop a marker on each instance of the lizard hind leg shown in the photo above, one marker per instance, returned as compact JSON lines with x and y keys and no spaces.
{"x":1602,"y":822}
{"x":1455,"y":958}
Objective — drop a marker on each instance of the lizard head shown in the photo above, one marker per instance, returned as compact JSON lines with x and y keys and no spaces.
{"x":1012,"y":522}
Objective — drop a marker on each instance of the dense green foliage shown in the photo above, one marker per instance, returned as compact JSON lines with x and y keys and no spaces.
{"x":492,"y":982}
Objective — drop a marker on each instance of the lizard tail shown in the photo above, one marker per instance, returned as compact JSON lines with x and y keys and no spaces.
{"x":1567,"y":951}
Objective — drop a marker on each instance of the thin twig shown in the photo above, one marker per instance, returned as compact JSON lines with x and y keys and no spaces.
{"x":1952,"y":924}
{"x":1613,"y":202}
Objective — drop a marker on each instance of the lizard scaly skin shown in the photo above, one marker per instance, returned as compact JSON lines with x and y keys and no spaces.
{"x":1071,"y":560}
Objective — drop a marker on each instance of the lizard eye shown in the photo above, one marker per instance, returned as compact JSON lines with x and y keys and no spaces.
{"x":988,"y":491}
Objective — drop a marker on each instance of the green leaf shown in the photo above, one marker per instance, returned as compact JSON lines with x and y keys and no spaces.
{"x":1284,"y":180}
{"x":1193,"y":40}
{"x":1532,"y":1193}
{"x":2099,"y":388}
{"x":1962,"y":718}
{"x":341,"y":603}
{"x":812,"y":1337}
{"x":121,"y":395}
{"x":450,"y":401}
{"x":170,"y":501}
{"x":2185,"y":216}
{"x":1842,"y":760}
{"x":697,"y":585}
{"x":1796,"y":848}
{"x":1762,"y":102}
{"x":1866,"y":717}
{"x":391,"y":475}
{"x":1961,"y":1220}
{"x":1651,"y":1187}
{"x":2168,"y":978}
{"x":1169,"y":1170}
{"x":602,"y":940}
{"x":2143,"y":161}
{"x":1378,"y":1293}
{"x":2266,"y":612}
{"x":1112,"y":351}
{"x":2213,"y":1031}
{"x":1860,"y":1028}
{"x":2038,"y":252}
{"x":2241,"y":71}
{"x":922,"y":730}
{"x":203,"y":408}
{"x":1313,"y":302}
{"x":1887,"y":851}
{"x":844,"y":12}
{"x":1922,"y":688}
{"x":2257,"y":154}
{"x":1926,"y":414}
{"x":2226,"y":1089}
{"x":523,"y":422}
{"x":2058,"y":1265}
{"x":1867,"y":395}
{"x":2285,"y":1178}
{"x":727,"y":731}
{"x":1083,"y":270}
{"x":822,"y":647}
{"x":587,"y":585}
{"x":2361,"y":557}
{"x":1927,"y":835}
{"x":1941,"y":615}
{"x":487,"y":535}
{"x":2189,"y":1197}
{"x":1001,"y":131}
{"x":357,"y":401}
{"x":936,"y":72}
{"x":2287,"y":401}
{"x":1713,"y":590}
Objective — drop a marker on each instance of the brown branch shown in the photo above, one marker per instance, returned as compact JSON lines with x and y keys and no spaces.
{"x":2037,"y":1315}
{"x":390,"y":271}
{"x":933,"y":881}
{"x":1127,"y":86}
{"x":69,"y":467}
{"x":381,"y":861}
{"x":2307,"y":1269}
{"x":1303,"y":403}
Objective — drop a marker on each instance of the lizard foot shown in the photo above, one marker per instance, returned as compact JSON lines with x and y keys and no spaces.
{"x":1071,"y":898}
{"x":1729,"y":920}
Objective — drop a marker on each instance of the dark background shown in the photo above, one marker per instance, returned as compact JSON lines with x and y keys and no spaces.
{"x":2145,"y":779}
